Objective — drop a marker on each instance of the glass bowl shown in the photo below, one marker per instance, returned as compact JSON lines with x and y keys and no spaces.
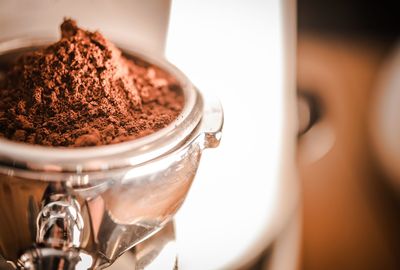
{"x":63,"y":208}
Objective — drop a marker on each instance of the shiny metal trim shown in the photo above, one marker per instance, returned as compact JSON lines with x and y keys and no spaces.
{"x":60,"y":223}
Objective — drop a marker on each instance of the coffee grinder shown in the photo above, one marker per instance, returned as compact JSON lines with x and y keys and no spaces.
{"x":83,"y":208}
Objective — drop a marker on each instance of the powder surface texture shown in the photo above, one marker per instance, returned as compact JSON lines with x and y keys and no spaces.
{"x":82,"y":91}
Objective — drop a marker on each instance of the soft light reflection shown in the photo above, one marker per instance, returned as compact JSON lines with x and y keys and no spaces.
{"x":234,"y":50}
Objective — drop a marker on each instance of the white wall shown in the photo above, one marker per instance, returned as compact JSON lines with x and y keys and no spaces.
{"x":142,"y":23}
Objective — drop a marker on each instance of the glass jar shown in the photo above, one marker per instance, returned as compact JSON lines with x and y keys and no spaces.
{"x":84,"y":207}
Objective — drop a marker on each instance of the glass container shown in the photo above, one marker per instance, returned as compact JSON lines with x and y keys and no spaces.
{"x":63,"y":208}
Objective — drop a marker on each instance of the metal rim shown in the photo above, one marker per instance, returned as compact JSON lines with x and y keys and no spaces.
{"x":106,"y":157}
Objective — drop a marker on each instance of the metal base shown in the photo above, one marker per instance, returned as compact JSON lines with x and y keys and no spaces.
{"x":157,"y":252}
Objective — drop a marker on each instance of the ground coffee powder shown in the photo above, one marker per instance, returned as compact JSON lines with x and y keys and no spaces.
{"x":81,"y":91}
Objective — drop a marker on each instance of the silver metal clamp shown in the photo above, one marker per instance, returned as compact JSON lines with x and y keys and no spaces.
{"x":59,"y":233}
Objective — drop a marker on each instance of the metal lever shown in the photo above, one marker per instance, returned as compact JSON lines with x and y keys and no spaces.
{"x":60,"y":223}
{"x":59,"y":232}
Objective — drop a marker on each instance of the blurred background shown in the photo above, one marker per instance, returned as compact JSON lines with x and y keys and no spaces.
{"x":347,"y":81}
{"x":347,"y":61}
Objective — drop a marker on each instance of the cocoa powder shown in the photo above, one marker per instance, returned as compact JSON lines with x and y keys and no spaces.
{"x":81,"y":91}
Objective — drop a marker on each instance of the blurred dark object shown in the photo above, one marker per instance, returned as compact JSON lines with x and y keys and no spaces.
{"x":377,"y":20}
{"x":351,"y":211}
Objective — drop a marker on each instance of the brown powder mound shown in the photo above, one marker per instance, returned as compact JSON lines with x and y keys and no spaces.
{"x":81,"y":91}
